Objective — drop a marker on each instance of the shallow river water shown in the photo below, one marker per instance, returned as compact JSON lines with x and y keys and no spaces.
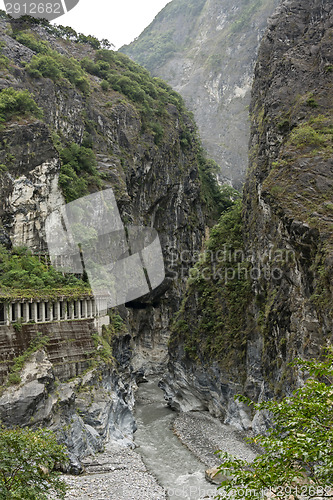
{"x":174,"y":466}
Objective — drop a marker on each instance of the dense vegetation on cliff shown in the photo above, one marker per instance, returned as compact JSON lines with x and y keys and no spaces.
{"x":284,"y":235}
{"x":209,"y":324}
{"x":20,"y":269}
{"x":296,"y":459}
{"x":114,"y":72}
{"x":104,"y":84}
{"x":99,"y":110}
{"x":17,"y":103}
{"x":23,"y":275}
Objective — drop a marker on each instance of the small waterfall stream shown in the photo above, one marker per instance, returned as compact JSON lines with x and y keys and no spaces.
{"x":174,"y":466}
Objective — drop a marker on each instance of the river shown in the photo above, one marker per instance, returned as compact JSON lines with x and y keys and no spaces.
{"x":174,"y":466}
{"x":160,"y":459}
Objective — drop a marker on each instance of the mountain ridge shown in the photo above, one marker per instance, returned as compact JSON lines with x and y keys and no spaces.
{"x":206,"y":51}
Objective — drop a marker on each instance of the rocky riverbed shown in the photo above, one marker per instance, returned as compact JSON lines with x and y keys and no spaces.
{"x":121,"y":473}
{"x":204,"y":434}
{"x":118,"y":474}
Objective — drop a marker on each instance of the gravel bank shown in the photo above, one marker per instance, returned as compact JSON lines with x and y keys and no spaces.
{"x":204,"y":434}
{"x":118,"y":474}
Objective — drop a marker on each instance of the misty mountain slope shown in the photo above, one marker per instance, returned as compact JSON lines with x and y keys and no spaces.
{"x":206,"y":49}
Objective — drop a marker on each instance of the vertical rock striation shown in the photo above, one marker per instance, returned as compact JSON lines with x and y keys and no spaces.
{"x":289,"y":188}
{"x":285,"y":235}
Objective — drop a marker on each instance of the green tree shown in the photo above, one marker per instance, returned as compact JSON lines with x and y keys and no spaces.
{"x":30,"y":40}
{"x":17,"y":102}
{"x":72,"y":185}
{"x":56,"y":66}
{"x":105,"y":44}
{"x":27,"y":462}
{"x":217,"y":198}
{"x":79,"y":158}
{"x":44,"y":65}
{"x":78,"y":172}
{"x":90,"y":40}
{"x":297,"y":456}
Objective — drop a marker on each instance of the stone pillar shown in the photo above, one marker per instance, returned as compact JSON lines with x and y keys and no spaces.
{"x":50,"y":311}
{"x":71,"y":310}
{"x":12,"y":312}
{"x":84,"y":309}
{"x":78,"y":309}
{"x":65,"y":306}
{"x":34,"y":312}
{"x":10,"y":316}
{"x":57,"y":311}
{"x":6,"y":313}
{"x":42,"y":311}
{"x":26,"y":312}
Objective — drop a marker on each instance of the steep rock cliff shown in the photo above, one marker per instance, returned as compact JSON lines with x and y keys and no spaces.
{"x":65,"y":377}
{"x":207,"y":51}
{"x":267,"y":278}
{"x":132,"y":133}
{"x":145,"y":145}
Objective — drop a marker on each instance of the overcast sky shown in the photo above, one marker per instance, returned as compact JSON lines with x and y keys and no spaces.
{"x":119,"y":21}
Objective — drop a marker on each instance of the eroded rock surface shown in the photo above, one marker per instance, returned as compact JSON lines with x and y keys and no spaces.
{"x":282,"y":309}
{"x":84,"y":412}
